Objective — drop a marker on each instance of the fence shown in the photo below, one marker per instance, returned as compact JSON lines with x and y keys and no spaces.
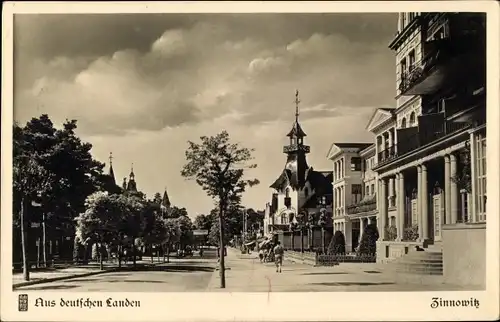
{"x":331,"y":260}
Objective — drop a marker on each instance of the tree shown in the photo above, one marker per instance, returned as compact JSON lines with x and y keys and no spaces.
{"x":157,"y":198}
{"x":68,"y":162}
{"x":202,"y":222}
{"x":173,"y":233}
{"x":218,"y":167}
{"x":337,"y":244}
{"x":100,"y":221}
{"x":186,"y":231}
{"x":368,"y":244}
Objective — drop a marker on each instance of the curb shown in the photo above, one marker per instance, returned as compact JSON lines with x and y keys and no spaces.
{"x":61,"y":278}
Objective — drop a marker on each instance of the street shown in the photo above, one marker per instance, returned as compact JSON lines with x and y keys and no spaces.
{"x":246,"y":274}
{"x":187,"y":274}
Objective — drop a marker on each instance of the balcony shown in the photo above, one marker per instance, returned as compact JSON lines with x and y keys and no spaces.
{"x":365,"y":205}
{"x":444,"y":60}
{"x":431,"y":128}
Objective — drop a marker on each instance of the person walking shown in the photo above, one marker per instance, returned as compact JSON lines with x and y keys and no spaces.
{"x":278,"y":256}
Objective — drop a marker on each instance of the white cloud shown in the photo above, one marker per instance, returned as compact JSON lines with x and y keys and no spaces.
{"x":196,"y":81}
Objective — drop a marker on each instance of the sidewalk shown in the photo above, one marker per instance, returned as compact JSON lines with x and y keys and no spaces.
{"x":247,"y":274}
{"x":51,"y":275}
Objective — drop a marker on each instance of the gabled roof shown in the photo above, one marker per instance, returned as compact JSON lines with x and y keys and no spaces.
{"x":380,"y":116}
{"x":336,"y":148}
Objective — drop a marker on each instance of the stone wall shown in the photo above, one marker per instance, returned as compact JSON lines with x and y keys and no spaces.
{"x":464,"y":254}
{"x":387,"y":251}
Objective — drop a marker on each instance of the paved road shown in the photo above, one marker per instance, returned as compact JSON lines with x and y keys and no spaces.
{"x":191,"y":275}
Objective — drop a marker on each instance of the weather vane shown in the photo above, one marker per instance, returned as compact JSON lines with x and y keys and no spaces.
{"x":297,"y":101}
{"x":110,"y":158}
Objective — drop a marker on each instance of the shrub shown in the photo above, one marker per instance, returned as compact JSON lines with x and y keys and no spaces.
{"x":391,"y":232}
{"x":411,"y":233}
{"x":337,"y":244}
{"x":368,"y":244}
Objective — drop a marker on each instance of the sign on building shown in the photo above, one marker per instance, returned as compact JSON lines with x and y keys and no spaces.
{"x":200,"y":232}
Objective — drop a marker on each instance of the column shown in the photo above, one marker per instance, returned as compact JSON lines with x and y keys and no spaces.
{"x":401,"y":206}
{"x":348,"y":235}
{"x":391,"y":191}
{"x":361,"y":228}
{"x":447,"y":189}
{"x":453,"y":190}
{"x":473,"y":174}
{"x":425,"y":203}
{"x":419,"y":202}
{"x":369,"y":220}
{"x":383,"y":208}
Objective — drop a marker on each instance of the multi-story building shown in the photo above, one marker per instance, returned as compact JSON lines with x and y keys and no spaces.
{"x":431,"y":149}
{"x":348,"y":190}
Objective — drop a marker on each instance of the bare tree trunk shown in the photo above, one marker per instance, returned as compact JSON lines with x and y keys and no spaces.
{"x":38,"y":252}
{"x":119,"y":255}
{"x":134,"y":251}
{"x":168,"y":253}
{"x":101,"y":255}
{"x":44,"y":240}
{"x":24,"y":241}
{"x":158,"y":254}
{"x":222,"y":267}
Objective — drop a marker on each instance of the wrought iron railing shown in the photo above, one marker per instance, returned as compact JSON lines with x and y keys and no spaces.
{"x":424,"y":134}
{"x":360,"y":208}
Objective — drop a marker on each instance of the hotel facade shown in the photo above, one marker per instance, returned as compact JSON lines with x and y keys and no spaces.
{"x":423,"y":180}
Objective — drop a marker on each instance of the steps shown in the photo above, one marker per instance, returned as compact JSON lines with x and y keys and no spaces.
{"x":427,"y":262}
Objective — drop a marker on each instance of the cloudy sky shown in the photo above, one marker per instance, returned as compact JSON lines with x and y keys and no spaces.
{"x":142,"y":85}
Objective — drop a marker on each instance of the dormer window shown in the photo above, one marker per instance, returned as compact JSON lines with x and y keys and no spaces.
{"x":403,"y":123}
{"x":306,"y":192}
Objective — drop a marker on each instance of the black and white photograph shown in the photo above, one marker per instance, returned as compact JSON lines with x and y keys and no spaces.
{"x":243,"y":152}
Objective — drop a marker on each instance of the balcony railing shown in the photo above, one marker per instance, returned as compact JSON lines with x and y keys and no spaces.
{"x":431,"y":128}
{"x":362,"y":207}
{"x":437,"y":53}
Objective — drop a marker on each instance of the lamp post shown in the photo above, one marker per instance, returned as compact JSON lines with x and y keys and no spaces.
{"x":322,"y":222}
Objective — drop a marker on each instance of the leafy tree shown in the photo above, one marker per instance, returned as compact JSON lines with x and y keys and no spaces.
{"x":202,"y":222}
{"x":186,"y":230}
{"x":157,"y":198}
{"x":337,"y":244}
{"x":368,"y":244}
{"x":218,"y":167}
{"x":103,"y":221}
{"x":67,"y":161}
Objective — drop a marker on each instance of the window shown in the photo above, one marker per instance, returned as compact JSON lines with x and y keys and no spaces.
{"x":287,"y":193}
{"x":403,"y":123}
{"x":439,"y":34}
{"x":412,"y":118}
{"x":306,"y":192}
{"x":403,"y":66}
{"x":355,"y":164}
{"x":411,"y":58}
{"x":356,"y":193}
{"x":367,"y":190}
{"x":481,"y":177}
{"x":373,"y":189}
{"x":284,"y":219}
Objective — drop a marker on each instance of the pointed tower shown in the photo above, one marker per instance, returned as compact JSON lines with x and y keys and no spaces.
{"x":132,"y":186}
{"x":165,"y":202}
{"x":296,"y":166}
{"x":111,"y":173}
{"x":124,"y":185}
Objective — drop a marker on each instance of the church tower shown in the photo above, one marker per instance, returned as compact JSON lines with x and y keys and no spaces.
{"x":165,"y":202}
{"x":111,"y":173}
{"x":131,"y":186}
{"x":296,"y":164}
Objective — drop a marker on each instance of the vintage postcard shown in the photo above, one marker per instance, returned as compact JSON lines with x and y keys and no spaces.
{"x":257,"y":161}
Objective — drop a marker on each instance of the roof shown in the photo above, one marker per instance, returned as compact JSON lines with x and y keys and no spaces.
{"x":296,"y":131}
{"x":361,"y":146}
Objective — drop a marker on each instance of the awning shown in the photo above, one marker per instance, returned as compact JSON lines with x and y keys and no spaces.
{"x":250,"y":243}
{"x":264,"y":243}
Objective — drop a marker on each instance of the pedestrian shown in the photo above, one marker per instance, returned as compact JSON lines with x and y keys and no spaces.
{"x":261,"y":255}
{"x":278,"y":256}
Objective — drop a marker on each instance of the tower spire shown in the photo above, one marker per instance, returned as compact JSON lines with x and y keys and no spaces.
{"x":111,"y":171}
{"x":297,"y":101}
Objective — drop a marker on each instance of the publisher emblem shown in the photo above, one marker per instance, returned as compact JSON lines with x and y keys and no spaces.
{"x":23,"y":302}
